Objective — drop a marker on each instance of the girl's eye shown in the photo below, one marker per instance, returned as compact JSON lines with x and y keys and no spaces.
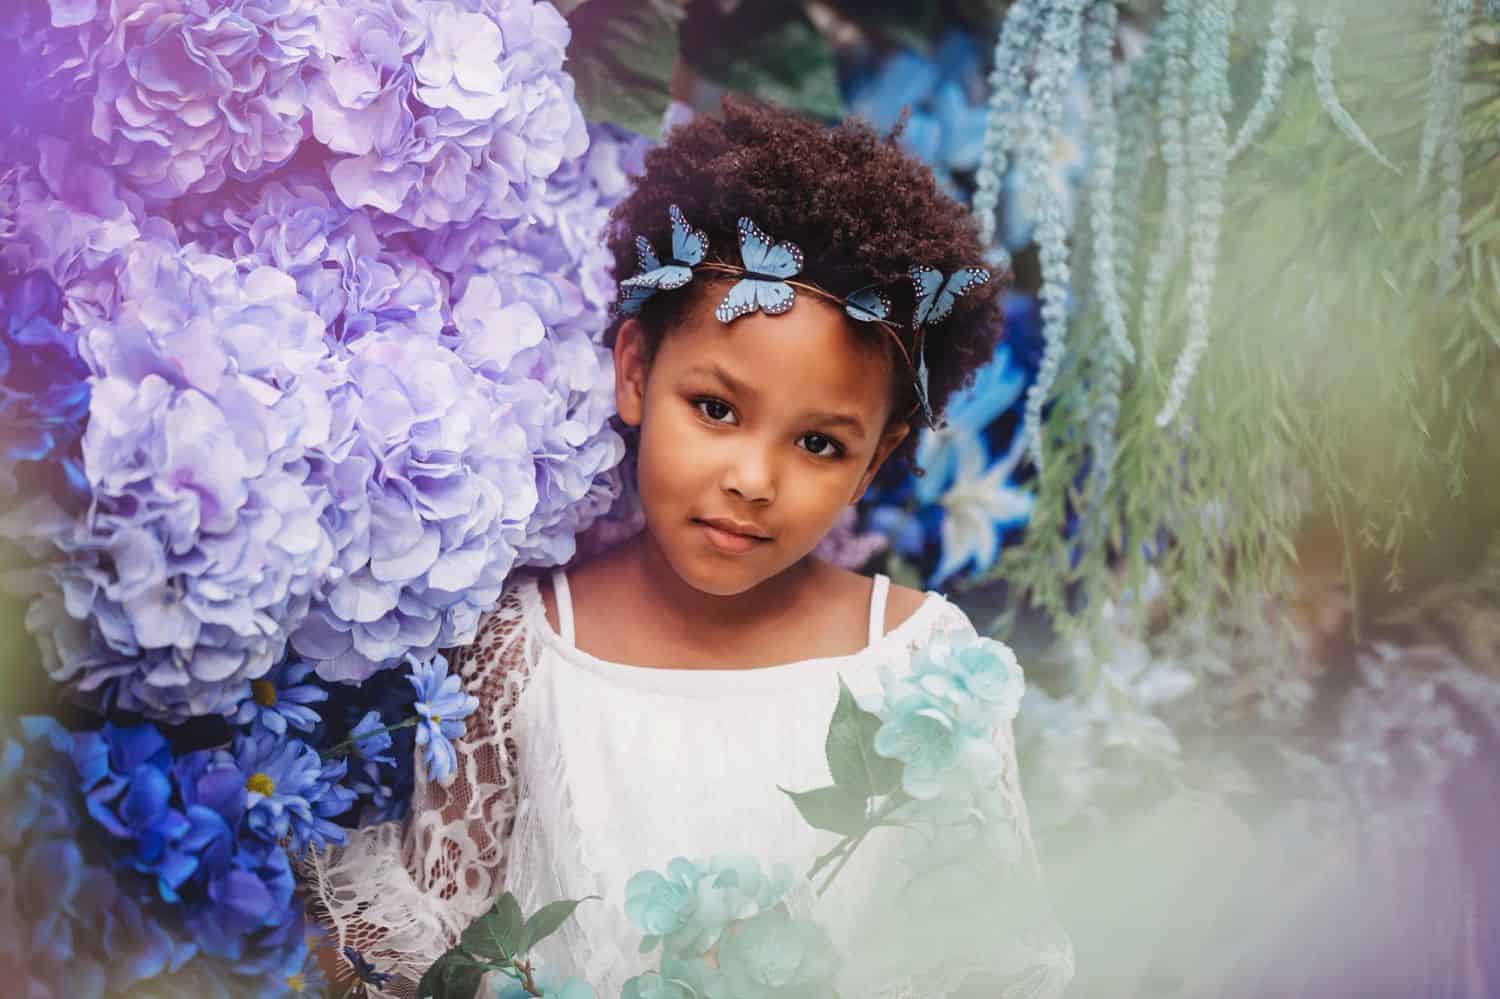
{"x":830,"y":447}
{"x":708,"y":407}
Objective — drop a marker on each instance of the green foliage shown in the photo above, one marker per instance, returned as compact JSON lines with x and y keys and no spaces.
{"x":622,"y":56}
{"x":850,"y":748}
{"x":497,"y":941}
{"x":770,"y":49}
{"x":1345,"y":379}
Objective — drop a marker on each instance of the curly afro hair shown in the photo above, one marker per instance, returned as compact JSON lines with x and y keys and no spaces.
{"x":862,"y":209}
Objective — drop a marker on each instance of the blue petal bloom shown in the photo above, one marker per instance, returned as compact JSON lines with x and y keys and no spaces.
{"x":280,"y":700}
{"x":442,"y":706}
{"x":284,"y":778}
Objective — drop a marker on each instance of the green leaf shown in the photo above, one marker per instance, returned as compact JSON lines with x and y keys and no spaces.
{"x":622,"y":55}
{"x":496,"y":935}
{"x":850,"y":747}
{"x":648,"y":943}
{"x":455,"y":975}
{"x":833,"y":808}
{"x":768,"y":49}
{"x":546,"y":920}
{"x":911,"y":24}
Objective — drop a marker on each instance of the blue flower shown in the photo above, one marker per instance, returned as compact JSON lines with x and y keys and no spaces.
{"x":285,"y":778}
{"x":442,"y":706}
{"x":279,"y":700}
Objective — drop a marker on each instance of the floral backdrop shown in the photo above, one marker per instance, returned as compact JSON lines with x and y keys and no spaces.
{"x":350,"y":249}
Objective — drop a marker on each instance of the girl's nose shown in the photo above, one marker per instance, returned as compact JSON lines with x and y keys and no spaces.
{"x":750,"y":474}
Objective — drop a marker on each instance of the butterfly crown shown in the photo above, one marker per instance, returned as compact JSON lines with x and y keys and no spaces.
{"x":765,"y":285}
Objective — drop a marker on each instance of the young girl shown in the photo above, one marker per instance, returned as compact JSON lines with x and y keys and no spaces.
{"x":650,"y":703}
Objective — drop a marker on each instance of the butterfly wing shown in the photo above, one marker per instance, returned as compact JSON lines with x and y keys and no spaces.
{"x":645,"y":256}
{"x":959,"y":283}
{"x":632,"y":297}
{"x":868,"y":305}
{"x":664,"y":278}
{"x":760,"y":255}
{"x":925,"y":282}
{"x":689,"y":245}
{"x":739,"y":301}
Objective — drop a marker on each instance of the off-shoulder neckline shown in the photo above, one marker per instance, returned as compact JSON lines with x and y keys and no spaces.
{"x":721,"y":680}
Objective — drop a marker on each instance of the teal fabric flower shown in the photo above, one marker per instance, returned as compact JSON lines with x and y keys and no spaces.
{"x":654,"y":985}
{"x":659,"y":905}
{"x":690,"y":906}
{"x":774,"y":956}
{"x":940,"y":721}
{"x":573,"y":988}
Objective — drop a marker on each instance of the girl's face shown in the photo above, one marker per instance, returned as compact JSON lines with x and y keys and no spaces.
{"x":774,"y":422}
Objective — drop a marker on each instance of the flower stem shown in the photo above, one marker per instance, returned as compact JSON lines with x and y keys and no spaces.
{"x":349,"y":743}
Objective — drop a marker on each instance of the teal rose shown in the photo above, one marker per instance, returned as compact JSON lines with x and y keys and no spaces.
{"x":654,"y":985}
{"x":773,"y":956}
{"x":661,"y":906}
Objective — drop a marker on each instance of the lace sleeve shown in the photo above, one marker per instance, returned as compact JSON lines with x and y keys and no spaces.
{"x":1026,"y":954}
{"x":401,"y":892}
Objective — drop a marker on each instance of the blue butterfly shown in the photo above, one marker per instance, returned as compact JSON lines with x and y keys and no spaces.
{"x":868,"y":305}
{"x":765,"y":263}
{"x":635,"y":295}
{"x":689,"y":247}
{"x":935,"y":297}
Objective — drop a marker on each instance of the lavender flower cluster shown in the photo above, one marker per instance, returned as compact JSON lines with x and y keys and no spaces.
{"x":301,"y":316}
{"x":332,"y":278}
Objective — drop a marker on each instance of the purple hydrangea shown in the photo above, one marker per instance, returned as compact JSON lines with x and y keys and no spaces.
{"x":44,"y":394}
{"x":443,"y":113}
{"x":71,"y":221}
{"x":431,"y":493}
{"x":344,"y":260}
{"x":188,"y":93}
{"x":204,"y":541}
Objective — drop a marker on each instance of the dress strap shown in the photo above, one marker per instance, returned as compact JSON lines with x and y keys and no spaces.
{"x":564,"y":598}
{"x":877,"y":606}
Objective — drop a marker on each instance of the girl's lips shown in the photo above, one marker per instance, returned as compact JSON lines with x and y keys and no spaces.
{"x":728,"y":541}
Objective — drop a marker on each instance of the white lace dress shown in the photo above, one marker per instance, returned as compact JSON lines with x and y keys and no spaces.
{"x":578,"y":772}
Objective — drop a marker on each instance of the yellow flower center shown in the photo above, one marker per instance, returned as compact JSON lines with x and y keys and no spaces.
{"x":297,"y":982}
{"x":436,"y":719}
{"x":261,"y":784}
{"x":264,"y":692}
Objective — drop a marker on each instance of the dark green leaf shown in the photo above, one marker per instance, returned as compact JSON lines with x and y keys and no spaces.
{"x":455,"y":975}
{"x":768,"y":49}
{"x":850,"y":747}
{"x":545,"y":921}
{"x":833,"y":808}
{"x":901,"y":21}
{"x":496,"y":935}
{"x":622,"y":55}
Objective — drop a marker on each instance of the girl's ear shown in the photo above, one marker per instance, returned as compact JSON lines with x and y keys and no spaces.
{"x":630,"y":372}
{"x":888,"y":443}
